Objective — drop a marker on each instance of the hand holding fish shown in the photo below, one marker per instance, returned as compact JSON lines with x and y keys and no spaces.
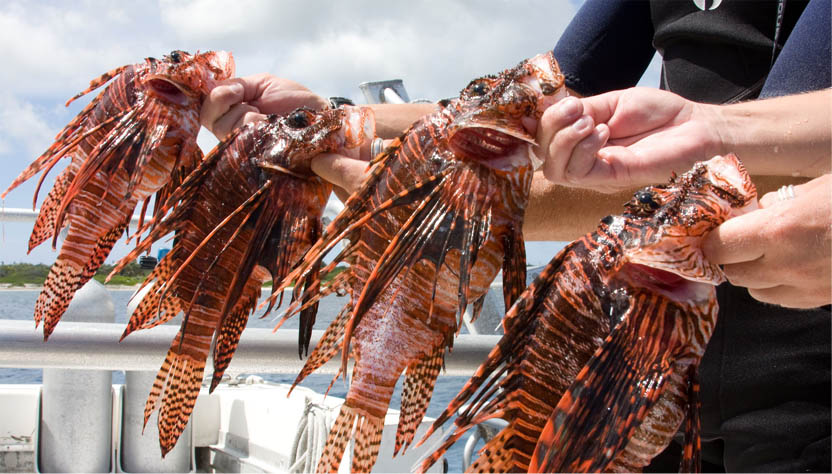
{"x":781,"y":252}
{"x":629,"y":138}
{"x":247,"y":99}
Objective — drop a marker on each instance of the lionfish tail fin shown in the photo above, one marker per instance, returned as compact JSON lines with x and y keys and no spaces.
{"x":337,"y":440}
{"x":416,"y":394}
{"x":174,"y":392}
{"x":364,"y":429}
{"x":367,"y":443}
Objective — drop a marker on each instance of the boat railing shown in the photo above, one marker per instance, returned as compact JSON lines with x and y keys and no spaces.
{"x":96,"y":346}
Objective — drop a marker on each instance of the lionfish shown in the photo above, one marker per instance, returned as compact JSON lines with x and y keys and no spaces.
{"x":597,"y":367}
{"x":136,"y":138}
{"x":245,"y":216}
{"x":439,"y":216}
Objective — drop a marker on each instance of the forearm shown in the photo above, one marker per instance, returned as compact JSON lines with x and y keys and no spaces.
{"x":784,"y":136}
{"x":393,"y":119}
{"x":563,"y":213}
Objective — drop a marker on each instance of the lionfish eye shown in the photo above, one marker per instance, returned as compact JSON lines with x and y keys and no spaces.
{"x":644,"y":203}
{"x":297,"y":119}
{"x":480,"y":88}
{"x":647,"y":199}
{"x":175,"y":56}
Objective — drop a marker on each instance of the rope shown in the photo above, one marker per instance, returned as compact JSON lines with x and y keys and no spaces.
{"x":310,"y":437}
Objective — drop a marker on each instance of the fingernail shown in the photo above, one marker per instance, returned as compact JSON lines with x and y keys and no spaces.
{"x":570,"y":107}
{"x":582,"y":123}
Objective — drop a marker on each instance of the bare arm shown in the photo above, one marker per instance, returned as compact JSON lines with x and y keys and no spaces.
{"x":784,"y":136}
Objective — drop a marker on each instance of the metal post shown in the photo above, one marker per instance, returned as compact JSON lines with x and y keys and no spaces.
{"x":140,"y":450}
{"x":76,"y":404}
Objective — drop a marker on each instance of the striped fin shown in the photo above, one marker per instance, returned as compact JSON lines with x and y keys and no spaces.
{"x":499,"y":455}
{"x":416,"y":394}
{"x":692,"y":449}
{"x":228,"y":335}
{"x":328,"y":345}
{"x":489,"y":391}
{"x":98,"y":82}
{"x":367,"y":443}
{"x":152,"y":310}
{"x":514,"y":266}
{"x":65,"y":279}
{"x":607,"y":401}
{"x":336,"y":441}
{"x":177,"y":383}
{"x":44,"y":227}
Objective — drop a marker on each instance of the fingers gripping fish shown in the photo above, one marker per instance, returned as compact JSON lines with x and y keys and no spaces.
{"x":437,"y":219}
{"x":136,"y":138}
{"x":244,"y":216}
{"x":596,"y":370}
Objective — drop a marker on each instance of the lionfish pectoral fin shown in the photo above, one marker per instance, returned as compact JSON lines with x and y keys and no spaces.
{"x":174,"y":391}
{"x":44,"y":227}
{"x":514,"y":266}
{"x":308,"y":313}
{"x":327,"y":346}
{"x":522,"y":310}
{"x":477,"y":306}
{"x":692,"y":449}
{"x":609,"y":398}
{"x":418,"y":387}
{"x":227,"y":337}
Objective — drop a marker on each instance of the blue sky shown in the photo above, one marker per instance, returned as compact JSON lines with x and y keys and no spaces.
{"x":53,"y":48}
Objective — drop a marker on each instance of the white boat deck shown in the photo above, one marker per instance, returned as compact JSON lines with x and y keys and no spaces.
{"x":242,"y":427}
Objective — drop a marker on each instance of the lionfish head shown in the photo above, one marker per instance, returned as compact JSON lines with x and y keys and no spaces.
{"x":184,"y":79}
{"x":664,"y":226}
{"x":498,"y":114}
{"x":292,"y":140}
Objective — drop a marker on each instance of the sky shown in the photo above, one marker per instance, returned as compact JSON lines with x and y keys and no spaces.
{"x":52,"y":49}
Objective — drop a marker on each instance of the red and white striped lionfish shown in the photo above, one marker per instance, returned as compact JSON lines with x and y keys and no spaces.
{"x":244,"y":216}
{"x":439,"y":216}
{"x":136,"y":138}
{"x":597,"y":367}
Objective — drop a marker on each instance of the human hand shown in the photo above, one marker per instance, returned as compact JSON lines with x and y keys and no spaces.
{"x":781,"y":252}
{"x":246,"y":99}
{"x":623,"y":139}
{"x":346,"y":173}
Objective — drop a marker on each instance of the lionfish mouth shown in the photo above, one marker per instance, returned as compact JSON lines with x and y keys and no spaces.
{"x":675,"y":285}
{"x":497,"y":144}
{"x":168,"y":90}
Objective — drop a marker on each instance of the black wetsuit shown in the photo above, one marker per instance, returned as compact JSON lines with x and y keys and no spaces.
{"x":765,"y":377}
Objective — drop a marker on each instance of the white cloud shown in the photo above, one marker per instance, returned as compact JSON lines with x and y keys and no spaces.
{"x":23,"y":127}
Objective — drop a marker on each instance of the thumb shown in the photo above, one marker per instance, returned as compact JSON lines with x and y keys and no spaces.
{"x":737,"y":240}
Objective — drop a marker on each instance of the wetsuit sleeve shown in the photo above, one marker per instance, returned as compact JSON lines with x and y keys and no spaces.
{"x":607,"y":46}
{"x":803,"y":65}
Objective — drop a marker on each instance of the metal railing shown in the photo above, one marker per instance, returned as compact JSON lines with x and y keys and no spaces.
{"x":96,"y":346}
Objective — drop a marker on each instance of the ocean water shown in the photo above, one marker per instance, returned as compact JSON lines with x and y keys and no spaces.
{"x":19,"y":305}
